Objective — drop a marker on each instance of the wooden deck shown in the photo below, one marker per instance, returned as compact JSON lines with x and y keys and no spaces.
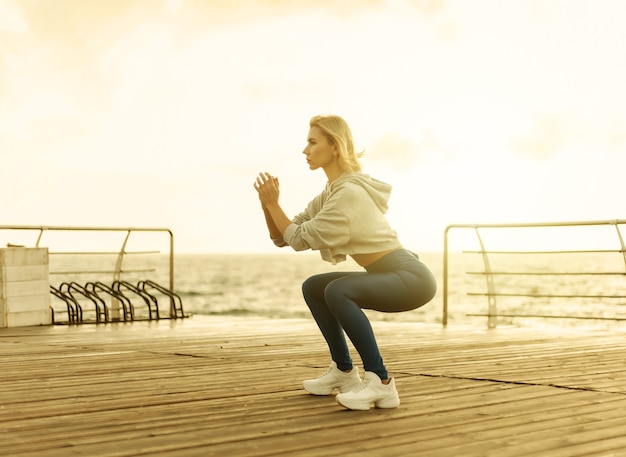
{"x":232,"y":387}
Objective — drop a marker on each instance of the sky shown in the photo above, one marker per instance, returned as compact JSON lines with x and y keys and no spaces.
{"x":160,"y":113}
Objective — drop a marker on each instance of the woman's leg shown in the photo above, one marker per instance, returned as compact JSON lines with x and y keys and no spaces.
{"x":336,"y":300}
{"x":313,"y":290}
{"x":346,"y":296}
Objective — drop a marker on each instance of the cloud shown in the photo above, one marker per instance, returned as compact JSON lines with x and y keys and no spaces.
{"x":402,"y":152}
{"x":12,"y":18}
{"x":45,"y":118}
{"x":544,"y":138}
{"x":251,"y":9}
{"x":616,"y":136}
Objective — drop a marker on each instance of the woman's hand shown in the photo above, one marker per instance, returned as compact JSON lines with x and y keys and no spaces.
{"x":268,"y":188}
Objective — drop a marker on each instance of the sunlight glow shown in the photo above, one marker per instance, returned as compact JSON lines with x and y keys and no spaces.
{"x":163,"y":112}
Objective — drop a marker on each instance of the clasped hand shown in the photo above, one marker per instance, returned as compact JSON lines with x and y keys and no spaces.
{"x":267,"y":187}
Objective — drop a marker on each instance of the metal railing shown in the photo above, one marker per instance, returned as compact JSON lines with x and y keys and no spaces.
{"x":118,"y":270}
{"x":496,"y":289}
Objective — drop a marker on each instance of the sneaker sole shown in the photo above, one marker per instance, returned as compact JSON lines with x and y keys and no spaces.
{"x":342,"y":389}
{"x":356,"y":406}
{"x":318,"y":392}
{"x":353,"y":406}
{"x":388,"y":404}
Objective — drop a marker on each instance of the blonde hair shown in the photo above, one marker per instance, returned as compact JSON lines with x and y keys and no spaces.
{"x":338,"y":133}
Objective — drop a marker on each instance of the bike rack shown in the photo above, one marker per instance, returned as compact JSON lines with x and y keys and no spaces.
{"x":73,"y":291}
{"x":128,"y":310}
{"x":150,"y":301}
{"x":72,"y":307}
{"x":176,"y":303}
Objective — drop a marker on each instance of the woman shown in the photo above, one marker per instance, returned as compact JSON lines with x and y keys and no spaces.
{"x":348,"y":218}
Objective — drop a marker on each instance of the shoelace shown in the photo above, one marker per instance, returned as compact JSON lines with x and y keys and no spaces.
{"x":330,"y":370}
{"x":362,"y":386}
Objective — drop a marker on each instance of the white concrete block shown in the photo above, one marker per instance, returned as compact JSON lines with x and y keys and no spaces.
{"x":24,"y":256}
{"x":27,"y":272}
{"x":24,"y":287}
{"x":25,"y":319}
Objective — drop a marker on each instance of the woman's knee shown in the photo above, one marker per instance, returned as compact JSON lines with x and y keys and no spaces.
{"x":309,"y":289}
{"x":313,"y":288}
{"x":336,"y":295}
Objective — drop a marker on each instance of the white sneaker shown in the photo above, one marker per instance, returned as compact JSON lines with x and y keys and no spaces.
{"x":371,"y":390}
{"x":333,"y":378}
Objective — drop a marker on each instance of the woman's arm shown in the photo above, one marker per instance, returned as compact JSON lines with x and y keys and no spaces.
{"x":268,"y":188}
{"x":271,"y":226}
{"x":278,"y":216}
{"x":328,"y":224}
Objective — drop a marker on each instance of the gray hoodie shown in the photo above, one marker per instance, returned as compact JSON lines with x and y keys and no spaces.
{"x":348,"y":217}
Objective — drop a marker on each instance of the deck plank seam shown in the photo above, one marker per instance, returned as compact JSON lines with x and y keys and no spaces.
{"x":522,"y":383}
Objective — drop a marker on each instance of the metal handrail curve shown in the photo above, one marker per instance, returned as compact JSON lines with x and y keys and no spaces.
{"x":491,"y":294}
{"x":41,"y":229}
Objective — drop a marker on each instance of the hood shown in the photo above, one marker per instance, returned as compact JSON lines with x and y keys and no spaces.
{"x":379,"y":191}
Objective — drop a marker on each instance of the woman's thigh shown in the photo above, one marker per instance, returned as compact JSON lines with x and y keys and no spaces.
{"x":386,"y":292}
{"x":315,"y":286}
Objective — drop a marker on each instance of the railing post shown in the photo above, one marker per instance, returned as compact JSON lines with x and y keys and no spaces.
{"x":172,"y":304}
{"x":115,"y":303}
{"x":41,"y":230}
{"x":444,"y":317}
{"x":621,"y":242}
{"x":492,"y":311}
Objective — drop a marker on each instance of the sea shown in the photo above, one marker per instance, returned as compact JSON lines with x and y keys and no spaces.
{"x":269,"y":286}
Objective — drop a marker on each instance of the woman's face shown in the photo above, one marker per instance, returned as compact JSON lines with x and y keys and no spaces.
{"x":319,"y":151}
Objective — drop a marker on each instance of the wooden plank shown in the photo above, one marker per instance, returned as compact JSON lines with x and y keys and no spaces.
{"x":215,"y":386}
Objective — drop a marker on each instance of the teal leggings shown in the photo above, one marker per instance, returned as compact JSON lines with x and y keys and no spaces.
{"x":397,"y":282}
